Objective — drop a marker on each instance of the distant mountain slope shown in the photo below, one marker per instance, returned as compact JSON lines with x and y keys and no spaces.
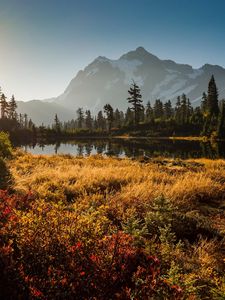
{"x":44,"y":112}
{"x":107,"y":81}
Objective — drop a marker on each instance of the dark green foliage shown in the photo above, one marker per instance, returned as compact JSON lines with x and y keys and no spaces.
{"x":128,"y":117}
{"x":88,"y":119}
{"x":57,"y":124}
{"x":168,"y":110}
{"x":212,"y":99}
{"x":135,"y":99}
{"x":163,"y":119}
{"x":108,"y":110}
{"x":5,"y":145}
{"x":149,"y":115}
{"x":221,"y":121}
{"x":101,"y":121}
{"x":5,"y":152}
{"x":4,"y":106}
{"x":158,"y":109}
{"x":204,"y":103}
{"x":12,"y":106}
{"x":80,"y":117}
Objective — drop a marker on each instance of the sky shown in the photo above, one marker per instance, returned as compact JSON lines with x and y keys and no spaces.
{"x":44,"y":43}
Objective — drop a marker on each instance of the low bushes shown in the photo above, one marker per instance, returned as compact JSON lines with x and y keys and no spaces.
{"x":95,"y":228}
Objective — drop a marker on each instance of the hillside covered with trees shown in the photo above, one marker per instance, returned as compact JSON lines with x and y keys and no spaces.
{"x":159,"y":119}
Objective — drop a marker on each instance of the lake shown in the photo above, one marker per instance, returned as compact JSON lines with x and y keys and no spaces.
{"x":131,"y":148}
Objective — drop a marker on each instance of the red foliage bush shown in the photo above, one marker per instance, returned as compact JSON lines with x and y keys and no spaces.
{"x":109,"y":268}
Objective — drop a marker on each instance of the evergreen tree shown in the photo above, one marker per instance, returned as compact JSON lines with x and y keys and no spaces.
{"x":168,"y":110}
{"x":25,"y":121}
{"x":212,"y":99}
{"x":95,"y":124}
{"x":117,"y":118}
{"x":189,"y":111}
{"x":4,"y":106}
{"x":80,"y":117}
{"x":30,"y":124}
{"x":57,"y":124}
{"x":211,"y":116}
{"x":21,"y":120}
{"x":100,"y":120}
{"x":183,"y":108}
{"x":149,"y":115}
{"x":158,"y":109}
{"x":135,"y":99}
{"x":178,"y":111}
{"x":197,"y":116}
{"x":88,"y":119}
{"x":122,"y":118}
{"x":128,"y":117}
{"x":204,"y":103}
{"x":108,"y":110}
{"x":12,"y":108}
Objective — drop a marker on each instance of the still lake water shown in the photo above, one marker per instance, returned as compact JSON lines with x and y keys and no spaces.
{"x":131,"y":148}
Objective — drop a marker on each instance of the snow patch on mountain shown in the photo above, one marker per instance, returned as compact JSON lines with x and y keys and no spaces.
{"x":171,"y":71}
{"x":111,"y":83}
{"x":128,"y":67}
{"x":196,"y":73}
{"x":92,"y":72}
{"x":175,"y":89}
{"x":162,"y":85}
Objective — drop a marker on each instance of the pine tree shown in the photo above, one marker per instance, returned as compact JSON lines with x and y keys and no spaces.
{"x":108,"y":110}
{"x":30,"y":124}
{"x":197,"y":116}
{"x":4,"y":106}
{"x":158,"y":109}
{"x":12,"y":108}
{"x":135,"y":99}
{"x":128,"y":117}
{"x":88,"y":119}
{"x":25,"y":121}
{"x":211,"y":116}
{"x":100,"y":120}
{"x":189,"y":111}
{"x":122,"y":118}
{"x":204,"y":103}
{"x":80,"y":117}
{"x":212,"y":99}
{"x":168,"y":110}
{"x":149,"y":112}
{"x":183,"y":109}
{"x":117,"y":119}
{"x":57,"y":124}
{"x":178,"y":110}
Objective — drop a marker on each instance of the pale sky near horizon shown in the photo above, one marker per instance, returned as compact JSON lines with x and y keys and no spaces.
{"x":43,"y":44}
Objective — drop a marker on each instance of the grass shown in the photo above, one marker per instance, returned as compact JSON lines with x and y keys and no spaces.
{"x":172,"y":210}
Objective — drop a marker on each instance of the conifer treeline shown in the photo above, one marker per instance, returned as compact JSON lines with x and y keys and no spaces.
{"x":9,"y":118}
{"x":208,"y":118}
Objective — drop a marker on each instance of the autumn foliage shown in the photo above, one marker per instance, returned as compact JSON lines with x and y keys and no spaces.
{"x":96,"y":228}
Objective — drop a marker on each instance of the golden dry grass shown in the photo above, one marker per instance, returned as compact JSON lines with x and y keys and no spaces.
{"x":96,"y":195}
{"x":185,"y":183}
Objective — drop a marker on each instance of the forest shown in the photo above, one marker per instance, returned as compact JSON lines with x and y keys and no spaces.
{"x":157,"y":120}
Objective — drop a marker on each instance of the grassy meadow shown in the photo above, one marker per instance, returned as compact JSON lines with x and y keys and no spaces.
{"x":110,"y":228}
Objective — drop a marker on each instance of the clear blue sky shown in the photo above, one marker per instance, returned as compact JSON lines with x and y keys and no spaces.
{"x":43,"y":43}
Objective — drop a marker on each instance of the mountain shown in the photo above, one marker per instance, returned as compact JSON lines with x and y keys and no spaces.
{"x":107,"y":81}
{"x":44,"y":112}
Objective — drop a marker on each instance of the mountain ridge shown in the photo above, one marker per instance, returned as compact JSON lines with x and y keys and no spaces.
{"x":106,"y":80}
